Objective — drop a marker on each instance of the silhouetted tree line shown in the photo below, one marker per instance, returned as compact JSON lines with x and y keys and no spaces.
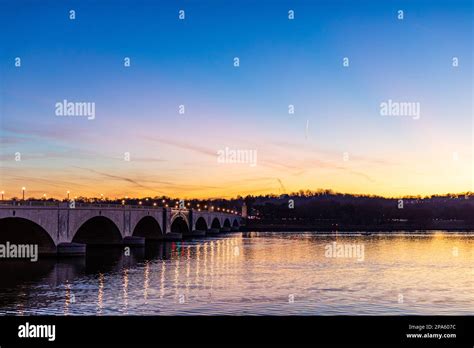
{"x":329,"y":207}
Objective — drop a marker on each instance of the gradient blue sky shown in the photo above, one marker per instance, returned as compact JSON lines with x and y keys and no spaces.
{"x":190,"y":62}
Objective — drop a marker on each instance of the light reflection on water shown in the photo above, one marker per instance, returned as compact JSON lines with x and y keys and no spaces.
{"x":254,"y":274}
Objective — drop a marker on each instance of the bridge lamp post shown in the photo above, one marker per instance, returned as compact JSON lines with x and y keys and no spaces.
{"x":44,"y":196}
{"x":23,"y":189}
{"x":68,"y":192}
{"x":3,"y":192}
{"x":101,"y":196}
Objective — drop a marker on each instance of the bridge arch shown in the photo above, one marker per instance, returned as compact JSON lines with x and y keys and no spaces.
{"x":227,"y":222}
{"x":216,"y":223}
{"x":235,"y":223}
{"x":18,"y":230}
{"x":179,"y":224}
{"x":201,"y":224}
{"x":149,"y":228}
{"x":98,"y":230}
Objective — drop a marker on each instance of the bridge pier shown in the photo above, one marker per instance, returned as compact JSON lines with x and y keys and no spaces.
{"x":199,"y":233}
{"x":134,"y":241}
{"x":71,"y":249}
{"x":214,"y":231}
{"x":174,"y":236}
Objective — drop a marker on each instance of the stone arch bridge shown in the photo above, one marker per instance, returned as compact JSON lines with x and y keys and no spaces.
{"x":58,"y":228}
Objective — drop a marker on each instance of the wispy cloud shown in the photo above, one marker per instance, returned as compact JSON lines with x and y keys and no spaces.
{"x":183,"y":145}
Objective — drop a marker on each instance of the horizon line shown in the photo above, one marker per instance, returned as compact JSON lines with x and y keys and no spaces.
{"x":305,"y":193}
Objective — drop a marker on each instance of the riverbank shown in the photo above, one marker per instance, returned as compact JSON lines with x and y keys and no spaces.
{"x":444,"y":226}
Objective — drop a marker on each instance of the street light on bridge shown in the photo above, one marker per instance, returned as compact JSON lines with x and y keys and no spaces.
{"x":23,"y":189}
{"x":3,"y":192}
{"x":68,"y":192}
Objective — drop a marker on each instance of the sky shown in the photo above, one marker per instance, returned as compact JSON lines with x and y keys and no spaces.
{"x":337,"y":137}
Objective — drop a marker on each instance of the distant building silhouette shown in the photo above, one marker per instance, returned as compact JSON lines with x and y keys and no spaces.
{"x":244,"y":210}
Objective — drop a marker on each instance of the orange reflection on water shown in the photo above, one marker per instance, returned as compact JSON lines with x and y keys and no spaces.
{"x":100,"y":294}
{"x":67,"y":298}
{"x":125,"y":290}
{"x":146,"y":280}
{"x":162,"y":280}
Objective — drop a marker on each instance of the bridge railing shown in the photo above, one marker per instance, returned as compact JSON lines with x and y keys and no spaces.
{"x":108,"y":205}
{"x":29,"y":203}
{"x":44,"y":203}
{"x":76,"y":204}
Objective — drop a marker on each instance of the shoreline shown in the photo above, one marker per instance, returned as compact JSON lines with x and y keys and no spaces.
{"x":355,"y":229}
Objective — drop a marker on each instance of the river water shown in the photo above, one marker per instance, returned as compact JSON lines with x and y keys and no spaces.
{"x":254,"y":274}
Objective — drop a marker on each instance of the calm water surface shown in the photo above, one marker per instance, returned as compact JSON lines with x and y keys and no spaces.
{"x":254,"y":274}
